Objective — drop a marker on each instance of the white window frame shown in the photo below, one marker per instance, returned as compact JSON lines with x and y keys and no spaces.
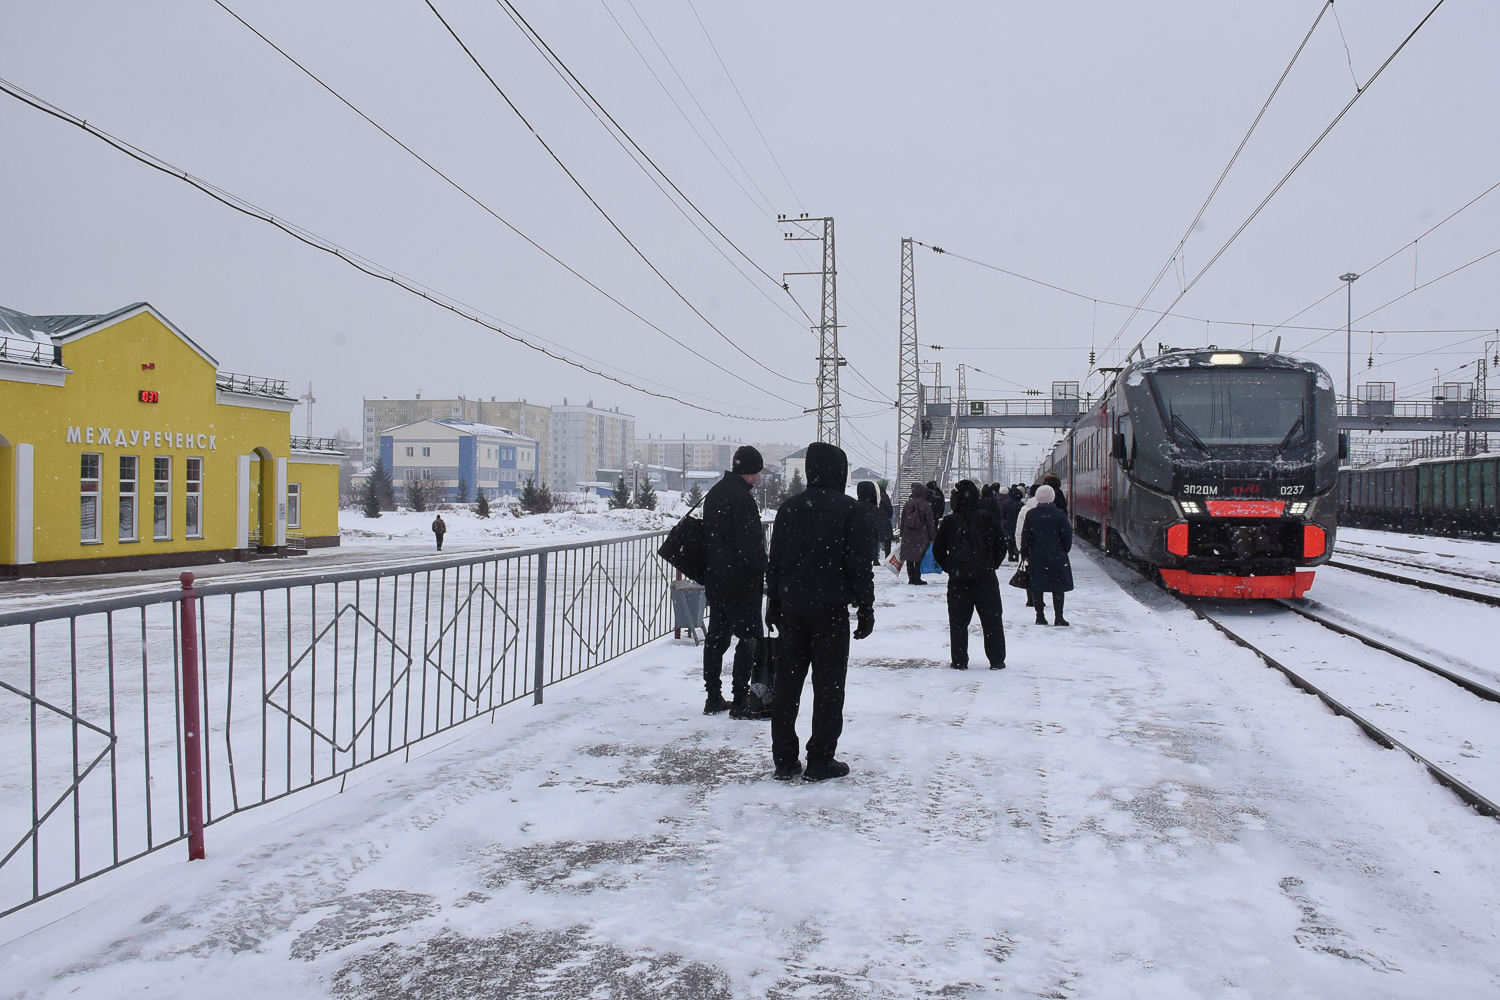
{"x":294,"y":505}
{"x":88,"y":498}
{"x":130,"y":490}
{"x":426,"y":451}
{"x":410,"y":451}
{"x":193,"y":512}
{"x":161,"y":499}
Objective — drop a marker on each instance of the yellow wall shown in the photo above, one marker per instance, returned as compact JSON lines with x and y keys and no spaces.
{"x":320,"y":497}
{"x":110,"y":367}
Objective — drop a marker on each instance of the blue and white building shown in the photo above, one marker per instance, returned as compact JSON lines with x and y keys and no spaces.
{"x":443,"y":453}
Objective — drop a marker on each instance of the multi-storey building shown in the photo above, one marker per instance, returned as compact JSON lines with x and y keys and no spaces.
{"x":585,"y":439}
{"x":686,"y":453}
{"x":446,"y":453}
{"x":530,"y":419}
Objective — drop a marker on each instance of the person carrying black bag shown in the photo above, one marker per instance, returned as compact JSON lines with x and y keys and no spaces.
{"x":970,"y":546}
{"x":819,"y":566}
{"x":734,"y":567}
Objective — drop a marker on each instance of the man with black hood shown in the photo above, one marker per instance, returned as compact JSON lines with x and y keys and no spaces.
{"x":970,"y":545}
{"x":819,"y":566}
{"x":735,"y":547}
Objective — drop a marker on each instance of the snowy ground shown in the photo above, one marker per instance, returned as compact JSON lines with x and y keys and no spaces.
{"x":1397,"y":552}
{"x":1134,"y":808}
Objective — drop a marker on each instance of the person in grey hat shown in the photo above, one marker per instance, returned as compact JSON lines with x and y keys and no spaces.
{"x":733,"y":580}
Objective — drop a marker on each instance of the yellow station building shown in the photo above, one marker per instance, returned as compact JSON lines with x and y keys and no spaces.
{"x":122,"y":446}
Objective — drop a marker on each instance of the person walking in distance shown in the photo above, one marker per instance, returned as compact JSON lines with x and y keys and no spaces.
{"x":1010,"y":511}
{"x":1046,"y":538}
{"x":439,"y":529}
{"x":1053,"y":480}
{"x":935,"y":497}
{"x":926,"y":428}
{"x":918,"y":528}
{"x":819,"y":566}
{"x":871,"y":507}
{"x":734,"y":571}
{"x":1026,"y":508}
{"x":970,"y":546}
{"x":888,"y":522}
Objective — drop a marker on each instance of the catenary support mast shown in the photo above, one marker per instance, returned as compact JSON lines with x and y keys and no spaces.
{"x":908,"y":399}
{"x":829,"y":360}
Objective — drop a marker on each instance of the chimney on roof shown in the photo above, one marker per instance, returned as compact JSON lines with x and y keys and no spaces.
{"x":419,"y":394}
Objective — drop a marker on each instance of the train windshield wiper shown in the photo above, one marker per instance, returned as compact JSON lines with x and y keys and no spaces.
{"x":1297,"y":425}
{"x":1181,"y":425}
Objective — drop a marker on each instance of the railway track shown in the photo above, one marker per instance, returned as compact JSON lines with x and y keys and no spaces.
{"x":1413,"y":581}
{"x":1233,"y":628}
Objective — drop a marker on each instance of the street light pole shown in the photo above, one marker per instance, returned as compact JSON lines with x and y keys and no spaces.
{"x":1349,"y":280}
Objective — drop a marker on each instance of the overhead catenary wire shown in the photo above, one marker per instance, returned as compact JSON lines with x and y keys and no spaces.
{"x":484,"y":206}
{"x":1295,"y":166}
{"x":350,"y":258}
{"x":598,"y":207}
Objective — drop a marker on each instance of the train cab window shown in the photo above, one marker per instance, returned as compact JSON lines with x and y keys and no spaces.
{"x":1205,"y":408}
{"x":1125,"y":428}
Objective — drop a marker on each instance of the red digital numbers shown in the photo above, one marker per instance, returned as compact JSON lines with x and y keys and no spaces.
{"x":150,"y":396}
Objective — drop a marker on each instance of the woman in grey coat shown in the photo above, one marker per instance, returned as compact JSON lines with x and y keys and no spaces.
{"x":918,"y":529}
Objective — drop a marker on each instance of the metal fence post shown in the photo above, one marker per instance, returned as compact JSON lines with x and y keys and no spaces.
{"x":541,"y":628}
{"x":192,"y":735}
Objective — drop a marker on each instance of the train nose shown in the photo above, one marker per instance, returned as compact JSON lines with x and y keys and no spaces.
{"x":1249,"y":541}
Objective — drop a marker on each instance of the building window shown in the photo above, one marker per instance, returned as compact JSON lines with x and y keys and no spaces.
{"x":88,"y":491}
{"x":426,"y":473}
{"x":129,"y":468}
{"x":161,"y":508}
{"x":426,"y":452}
{"x":410,"y":451}
{"x":294,"y":505}
{"x":193,"y":505}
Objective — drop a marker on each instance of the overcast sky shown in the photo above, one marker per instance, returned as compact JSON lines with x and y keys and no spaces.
{"x":1072,"y":142}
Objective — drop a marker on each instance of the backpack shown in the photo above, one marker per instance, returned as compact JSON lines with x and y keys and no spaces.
{"x":686,"y":546}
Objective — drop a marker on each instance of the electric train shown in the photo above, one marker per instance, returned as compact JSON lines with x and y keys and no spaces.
{"x":1217,"y":468}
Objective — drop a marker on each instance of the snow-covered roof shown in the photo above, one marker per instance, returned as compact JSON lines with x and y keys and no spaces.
{"x":465,"y":427}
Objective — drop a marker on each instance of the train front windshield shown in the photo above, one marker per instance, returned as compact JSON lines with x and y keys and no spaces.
{"x":1211,"y":407}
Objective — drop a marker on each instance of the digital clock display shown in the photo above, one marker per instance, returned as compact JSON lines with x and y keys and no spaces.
{"x":150,"y":396}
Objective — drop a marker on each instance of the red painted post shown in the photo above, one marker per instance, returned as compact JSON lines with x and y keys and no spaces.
{"x":192,"y":749}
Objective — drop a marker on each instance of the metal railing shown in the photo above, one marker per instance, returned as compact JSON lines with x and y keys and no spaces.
{"x":257,"y":385}
{"x":330,"y":445}
{"x":21,"y":351}
{"x":282,"y":685}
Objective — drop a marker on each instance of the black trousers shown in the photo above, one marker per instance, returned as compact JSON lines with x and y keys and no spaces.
{"x":726,"y":621}
{"x":1057,"y":602}
{"x":967,"y":595}
{"x":816,"y":637}
{"x":439,"y":536}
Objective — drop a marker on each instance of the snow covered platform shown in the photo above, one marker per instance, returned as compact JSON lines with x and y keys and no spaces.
{"x":1134,"y":808}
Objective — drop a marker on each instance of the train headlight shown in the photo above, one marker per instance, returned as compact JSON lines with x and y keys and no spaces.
{"x":1297,"y":508}
{"x":1190,"y":506}
{"x":1226,"y":359}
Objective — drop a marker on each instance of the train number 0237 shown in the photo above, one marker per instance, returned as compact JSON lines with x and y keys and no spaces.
{"x":1291,"y":491}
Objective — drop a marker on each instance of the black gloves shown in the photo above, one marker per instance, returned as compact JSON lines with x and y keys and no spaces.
{"x":773,"y":615}
{"x":866,"y":623}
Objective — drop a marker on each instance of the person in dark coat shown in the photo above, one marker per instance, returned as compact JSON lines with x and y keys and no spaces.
{"x":439,"y":529}
{"x":819,"y":566}
{"x":918,"y":529}
{"x":1046,"y":538}
{"x":1010,"y":509}
{"x":867,"y":498}
{"x":735,"y":566}
{"x":970,"y":546}
{"x":888,"y":522}
{"x":926,"y":428}
{"x":935,"y":497}
{"x":1051,"y":479}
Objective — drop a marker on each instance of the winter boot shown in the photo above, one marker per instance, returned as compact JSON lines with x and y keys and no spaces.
{"x":959,"y":666}
{"x":786,"y":772}
{"x":997,"y":666}
{"x":821,"y":770}
{"x":715,"y":703}
{"x":741,"y":707}
{"x":1041,"y":618}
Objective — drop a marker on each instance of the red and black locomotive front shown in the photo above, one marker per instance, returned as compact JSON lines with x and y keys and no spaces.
{"x":1229,"y":462}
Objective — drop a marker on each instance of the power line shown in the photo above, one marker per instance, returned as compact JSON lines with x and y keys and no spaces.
{"x":1220,"y":182}
{"x":484,"y":206}
{"x":1288,"y":176}
{"x":592,"y":201}
{"x":354,"y":260}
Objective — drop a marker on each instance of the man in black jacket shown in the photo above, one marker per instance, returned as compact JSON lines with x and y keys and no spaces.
{"x":735,"y":566}
{"x":970,"y":545}
{"x":819,"y":565}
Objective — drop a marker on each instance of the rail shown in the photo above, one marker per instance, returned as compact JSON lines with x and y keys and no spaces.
{"x":299,"y":681}
{"x":329,"y":445}
{"x":255,"y":385}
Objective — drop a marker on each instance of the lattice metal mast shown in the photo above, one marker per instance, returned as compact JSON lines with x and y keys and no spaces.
{"x":908,"y":398}
{"x":829,"y":360}
{"x":963,"y":434}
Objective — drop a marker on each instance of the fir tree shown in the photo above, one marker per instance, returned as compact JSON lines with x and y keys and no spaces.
{"x":482,"y":506}
{"x":529,"y":496}
{"x":794,"y":487}
{"x":545,"y":499}
{"x":695,"y":496}
{"x":369,"y":497}
{"x":621,"y":497}
{"x":461,"y":495}
{"x":645,"y":496}
{"x":416,"y":494}
{"x":385,"y":489}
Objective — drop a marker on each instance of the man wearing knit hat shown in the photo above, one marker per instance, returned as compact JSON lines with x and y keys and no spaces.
{"x":733,"y":580}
